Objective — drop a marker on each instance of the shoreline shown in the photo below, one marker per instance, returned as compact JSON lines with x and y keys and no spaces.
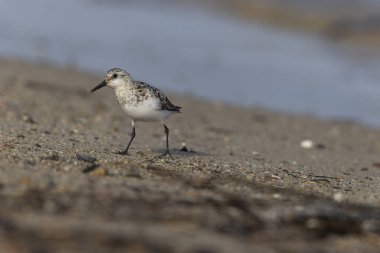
{"x":244,"y":180}
{"x":354,"y":25}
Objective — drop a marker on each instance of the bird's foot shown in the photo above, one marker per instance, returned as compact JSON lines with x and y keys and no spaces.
{"x":167,"y":153}
{"x":121,"y":152}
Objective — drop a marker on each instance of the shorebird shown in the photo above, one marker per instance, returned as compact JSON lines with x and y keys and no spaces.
{"x":141,"y":102}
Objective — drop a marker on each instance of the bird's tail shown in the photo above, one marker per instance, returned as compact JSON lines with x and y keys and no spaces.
{"x":177,"y":109}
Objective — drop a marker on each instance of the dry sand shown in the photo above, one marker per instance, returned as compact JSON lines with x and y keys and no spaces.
{"x":245,"y":184}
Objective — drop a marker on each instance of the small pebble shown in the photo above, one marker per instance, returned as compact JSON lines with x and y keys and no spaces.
{"x":320,"y":146}
{"x":99,"y":172}
{"x":86,"y":158}
{"x":338,"y":197}
{"x":90,"y":168}
{"x":28,"y":119}
{"x":183,"y":147}
{"x":307,"y":144}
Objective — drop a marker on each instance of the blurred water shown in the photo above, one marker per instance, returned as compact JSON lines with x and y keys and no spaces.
{"x":197,"y":52}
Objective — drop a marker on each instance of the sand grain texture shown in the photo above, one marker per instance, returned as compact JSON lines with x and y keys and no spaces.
{"x":245,"y":184}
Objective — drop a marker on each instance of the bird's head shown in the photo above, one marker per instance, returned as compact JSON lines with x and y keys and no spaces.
{"x":114,"y":78}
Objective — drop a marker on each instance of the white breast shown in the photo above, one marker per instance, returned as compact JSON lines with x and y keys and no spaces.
{"x":140,"y":110}
{"x":148,"y":110}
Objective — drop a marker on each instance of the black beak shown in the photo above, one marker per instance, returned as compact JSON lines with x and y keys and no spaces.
{"x":99,"y":86}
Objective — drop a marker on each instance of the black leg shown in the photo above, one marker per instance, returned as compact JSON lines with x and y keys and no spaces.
{"x":133,"y":134}
{"x":167,"y":152}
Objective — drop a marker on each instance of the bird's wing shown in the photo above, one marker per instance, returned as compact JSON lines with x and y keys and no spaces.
{"x":166,"y":104}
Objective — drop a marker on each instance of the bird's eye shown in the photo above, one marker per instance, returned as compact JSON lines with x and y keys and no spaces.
{"x":114,"y":75}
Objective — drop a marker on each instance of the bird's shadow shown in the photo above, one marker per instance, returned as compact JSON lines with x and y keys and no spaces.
{"x":181,"y":152}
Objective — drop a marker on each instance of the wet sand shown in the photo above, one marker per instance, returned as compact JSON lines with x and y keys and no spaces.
{"x":244,"y":184}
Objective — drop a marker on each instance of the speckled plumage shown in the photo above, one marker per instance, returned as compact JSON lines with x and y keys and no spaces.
{"x":137,"y":93}
{"x":145,"y":89}
{"x":141,"y":101}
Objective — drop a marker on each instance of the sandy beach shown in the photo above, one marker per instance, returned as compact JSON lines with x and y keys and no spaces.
{"x":240,"y":181}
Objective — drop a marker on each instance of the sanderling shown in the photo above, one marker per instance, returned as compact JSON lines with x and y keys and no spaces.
{"x":140,"y":101}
